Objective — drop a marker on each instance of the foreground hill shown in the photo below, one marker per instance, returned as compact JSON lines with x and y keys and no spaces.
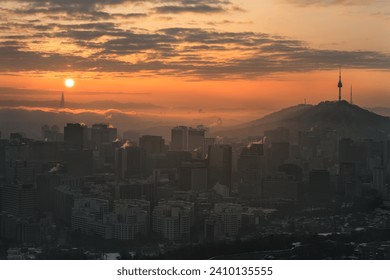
{"x":347,"y":119}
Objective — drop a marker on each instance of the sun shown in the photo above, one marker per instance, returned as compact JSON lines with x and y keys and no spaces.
{"x":69,"y":83}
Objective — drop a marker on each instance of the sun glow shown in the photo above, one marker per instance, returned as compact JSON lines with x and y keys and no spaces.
{"x":69,"y":83}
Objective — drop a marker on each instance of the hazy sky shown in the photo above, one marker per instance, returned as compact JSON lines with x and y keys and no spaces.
{"x":209,"y":54}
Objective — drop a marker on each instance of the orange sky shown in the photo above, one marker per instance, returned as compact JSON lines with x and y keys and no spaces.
{"x":212,"y":55}
{"x":276,"y":91}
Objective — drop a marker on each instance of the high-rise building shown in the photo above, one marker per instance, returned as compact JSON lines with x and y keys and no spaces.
{"x":179,"y":138}
{"x":51,"y":134}
{"x":3,"y":148}
{"x":64,"y":199}
{"x":320,"y":187}
{"x":379,"y":182}
{"x":250,"y":169}
{"x":206,"y":143}
{"x":196,"y":138}
{"x":18,"y":199}
{"x":102,"y":134}
{"x":356,"y":152}
{"x":224,"y":222}
{"x":153,"y":145}
{"x":136,"y":189}
{"x":187,"y":138}
{"x":25,"y":230}
{"x":220,"y":165}
{"x":130,"y":162}
{"x":78,"y":162}
{"x":174,"y":159}
{"x":278,"y":135}
{"x":132,"y":219}
{"x":41,"y":150}
{"x":16,"y":151}
{"x":173,"y":220}
{"x":87,"y":217}
{"x":292,"y":169}
{"x":24,"y":171}
{"x":280,"y":187}
{"x":277,"y":155}
{"x":76,"y":135}
{"x":46,"y":184}
{"x":347,"y":179}
{"x":193,"y":176}
{"x":62,"y":103}
{"x":18,"y":138}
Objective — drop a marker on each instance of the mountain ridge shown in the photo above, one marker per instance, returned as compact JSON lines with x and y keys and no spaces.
{"x":347,"y":119}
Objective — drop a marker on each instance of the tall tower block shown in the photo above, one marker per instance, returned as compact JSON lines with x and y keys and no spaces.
{"x":62,"y":104}
{"x":340,"y":84}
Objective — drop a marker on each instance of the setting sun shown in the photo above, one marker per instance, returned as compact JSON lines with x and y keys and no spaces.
{"x":69,"y":83}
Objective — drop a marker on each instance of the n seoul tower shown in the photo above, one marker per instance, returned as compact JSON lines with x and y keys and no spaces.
{"x":340,"y":84}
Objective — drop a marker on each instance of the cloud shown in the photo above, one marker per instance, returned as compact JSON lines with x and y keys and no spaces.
{"x":96,"y":9}
{"x":10,"y":96}
{"x":135,"y":42}
{"x":31,"y":119}
{"x":110,"y":46}
{"x":191,"y":52}
{"x":201,"y":9}
{"x":304,"y":3}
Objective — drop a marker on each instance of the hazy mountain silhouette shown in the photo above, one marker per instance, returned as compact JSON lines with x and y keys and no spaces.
{"x":30,"y":122}
{"x":32,"y":119}
{"x":347,"y":119}
{"x":100,"y":104}
{"x":383,"y":111}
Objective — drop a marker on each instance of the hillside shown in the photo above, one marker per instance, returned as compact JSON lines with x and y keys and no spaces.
{"x":347,"y":119}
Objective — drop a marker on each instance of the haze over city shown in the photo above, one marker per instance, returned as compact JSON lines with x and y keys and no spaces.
{"x":194,"y":129}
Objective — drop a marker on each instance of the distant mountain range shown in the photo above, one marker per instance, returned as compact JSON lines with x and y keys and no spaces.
{"x":100,"y":104}
{"x":31,"y":121}
{"x":380,"y":111}
{"x":347,"y":119}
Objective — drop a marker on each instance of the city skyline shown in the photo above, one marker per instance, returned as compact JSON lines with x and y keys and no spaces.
{"x":92,"y":192}
{"x":226,"y":58}
{"x":194,"y":130}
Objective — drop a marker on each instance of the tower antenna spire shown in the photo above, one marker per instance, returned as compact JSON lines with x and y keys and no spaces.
{"x":340,"y":84}
{"x":351,"y":101}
